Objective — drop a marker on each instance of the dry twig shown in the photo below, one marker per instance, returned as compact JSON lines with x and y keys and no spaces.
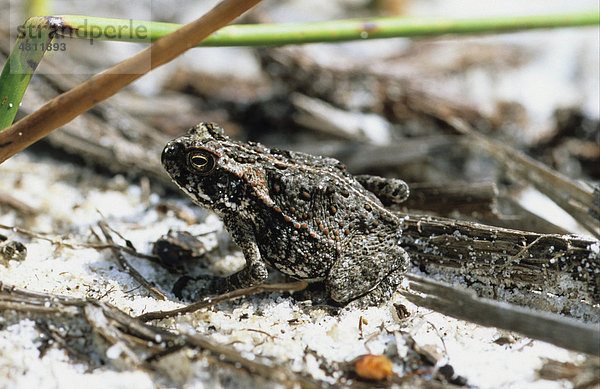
{"x":69,"y":105}
{"x":17,"y":205}
{"x":212,"y":301}
{"x":127,"y":267}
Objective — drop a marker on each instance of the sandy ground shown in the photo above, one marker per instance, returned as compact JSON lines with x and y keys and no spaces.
{"x":74,"y":199}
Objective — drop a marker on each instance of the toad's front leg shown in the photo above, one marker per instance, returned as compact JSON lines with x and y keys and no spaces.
{"x":255,"y":272}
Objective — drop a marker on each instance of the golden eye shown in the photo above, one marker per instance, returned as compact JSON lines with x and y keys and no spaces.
{"x":202,"y":161}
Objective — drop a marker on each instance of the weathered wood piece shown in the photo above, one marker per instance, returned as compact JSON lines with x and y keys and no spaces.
{"x":477,"y":200}
{"x":512,"y":215}
{"x":463,"y":304}
{"x":354,"y":86}
{"x":364,"y":157}
{"x":579,"y":199}
{"x":499,"y":261}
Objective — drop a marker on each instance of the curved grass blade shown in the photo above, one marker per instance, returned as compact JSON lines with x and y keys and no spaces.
{"x":33,"y":40}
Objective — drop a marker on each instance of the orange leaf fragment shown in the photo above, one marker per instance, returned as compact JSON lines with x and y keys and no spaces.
{"x":373,"y":367}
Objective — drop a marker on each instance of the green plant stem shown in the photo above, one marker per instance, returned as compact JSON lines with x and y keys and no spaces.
{"x":22,"y":63}
{"x":330,"y":31}
{"x":38,"y":7}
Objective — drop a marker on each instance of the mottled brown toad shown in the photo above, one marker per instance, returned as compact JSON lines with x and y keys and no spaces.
{"x":304,"y":215}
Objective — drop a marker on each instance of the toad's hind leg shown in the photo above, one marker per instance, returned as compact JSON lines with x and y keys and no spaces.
{"x":370,"y":274}
{"x":381,"y":293}
{"x":388,"y":190}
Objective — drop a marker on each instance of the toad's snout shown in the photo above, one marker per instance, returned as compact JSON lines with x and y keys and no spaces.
{"x":172,"y":152}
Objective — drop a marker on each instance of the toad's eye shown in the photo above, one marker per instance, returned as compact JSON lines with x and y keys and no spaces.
{"x":202,"y":161}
